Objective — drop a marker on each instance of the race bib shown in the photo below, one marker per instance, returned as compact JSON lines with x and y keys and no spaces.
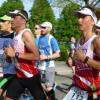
{"x":76,"y":93}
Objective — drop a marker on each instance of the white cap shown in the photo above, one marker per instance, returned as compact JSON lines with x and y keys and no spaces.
{"x":87,"y":11}
{"x":98,"y":23}
{"x":46,"y":24}
{"x":21,"y":13}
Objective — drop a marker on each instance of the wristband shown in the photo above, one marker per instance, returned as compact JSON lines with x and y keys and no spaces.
{"x":48,"y":57}
{"x":16,"y":54}
{"x":86,"y":59}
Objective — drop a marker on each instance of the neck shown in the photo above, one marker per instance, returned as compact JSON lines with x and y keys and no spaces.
{"x":38,"y":35}
{"x":7,"y":31}
{"x":18,"y":29}
{"x":86,"y":35}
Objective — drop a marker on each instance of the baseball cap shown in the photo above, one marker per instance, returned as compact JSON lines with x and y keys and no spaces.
{"x":98,"y":23}
{"x":21,"y":13}
{"x":46,"y":24}
{"x":86,"y":11}
{"x":5,"y":18}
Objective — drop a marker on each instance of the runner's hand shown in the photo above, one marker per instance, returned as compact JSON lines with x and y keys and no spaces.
{"x":9,"y":51}
{"x":79,"y":55}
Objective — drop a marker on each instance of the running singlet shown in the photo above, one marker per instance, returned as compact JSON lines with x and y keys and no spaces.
{"x":86,"y":76}
{"x":24,"y":69}
{"x":48,"y":45}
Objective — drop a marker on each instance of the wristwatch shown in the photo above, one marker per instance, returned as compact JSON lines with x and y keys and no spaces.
{"x":48,"y":57}
{"x":16,"y":54}
{"x":86,"y":59}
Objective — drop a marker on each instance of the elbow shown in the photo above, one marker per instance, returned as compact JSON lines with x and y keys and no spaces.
{"x":58,"y":55}
{"x":37,"y":57}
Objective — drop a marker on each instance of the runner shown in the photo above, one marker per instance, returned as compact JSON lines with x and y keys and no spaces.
{"x":37,"y":32}
{"x":6,"y":63}
{"x":49,"y":50}
{"x":86,"y":81}
{"x":26,"y":54}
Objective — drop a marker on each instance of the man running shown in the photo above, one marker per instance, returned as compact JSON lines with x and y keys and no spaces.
{"x":26,"y":54}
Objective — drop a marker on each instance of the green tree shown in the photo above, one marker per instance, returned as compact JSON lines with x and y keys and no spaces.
{"x":40,"y":12}
{"x":67,"y":24}
{"x":10,"y":5}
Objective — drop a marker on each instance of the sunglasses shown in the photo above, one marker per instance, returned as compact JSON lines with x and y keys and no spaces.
{"x":43,"y":27}
{"x":36,"y":28}
{"x":2,"y":21}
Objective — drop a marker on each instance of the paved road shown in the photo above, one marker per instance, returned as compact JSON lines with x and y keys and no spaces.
{"x":63,"y":79}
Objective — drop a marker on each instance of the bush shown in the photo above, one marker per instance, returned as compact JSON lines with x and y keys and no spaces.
{"x":64,"y":52}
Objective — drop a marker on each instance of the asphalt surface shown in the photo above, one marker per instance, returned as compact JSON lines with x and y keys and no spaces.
{"x":63,"y":79}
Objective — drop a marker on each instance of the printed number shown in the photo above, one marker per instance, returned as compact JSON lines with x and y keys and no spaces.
{"x":81,"y":97}
{"x":73,"y":95}
{"x":78,"y":97}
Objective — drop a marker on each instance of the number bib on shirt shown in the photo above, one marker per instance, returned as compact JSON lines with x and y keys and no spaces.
{"x":76,"y":93}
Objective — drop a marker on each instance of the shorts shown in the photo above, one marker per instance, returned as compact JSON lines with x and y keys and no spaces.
{"x":91,"y":97}
{"x":48,"y":76}
{"x":5,"y":81}
{"x":18,"y":85}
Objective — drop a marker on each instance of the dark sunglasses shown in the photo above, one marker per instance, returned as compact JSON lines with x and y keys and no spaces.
{"x":43,"y":27}
{"x":36,"y":28}
{"x":2,"y":20}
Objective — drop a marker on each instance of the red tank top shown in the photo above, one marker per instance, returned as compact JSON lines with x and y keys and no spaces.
{"x":24,"y":68}
{"x":85,"y":75}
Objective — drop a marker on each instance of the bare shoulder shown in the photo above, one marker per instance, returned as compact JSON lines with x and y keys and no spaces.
{"x":96,"y":41}
{"x":27,"y":35}
{"x":96,"y":45}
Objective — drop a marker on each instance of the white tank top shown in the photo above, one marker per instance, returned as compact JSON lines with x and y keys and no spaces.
{"x":25,"y":68}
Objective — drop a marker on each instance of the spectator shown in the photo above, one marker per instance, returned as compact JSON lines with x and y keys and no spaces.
{"x":71,"y":53}
{"x":26,"y":54}
{"x":97,"y":27}
{"x":72,"y":45}
{"x":6,"y":63}
{"x":49,"y":50}
{"x":86,"y":80}
{"x":37,"y":32}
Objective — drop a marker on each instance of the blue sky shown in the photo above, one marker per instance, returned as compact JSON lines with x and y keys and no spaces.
{"x":28,"y":5}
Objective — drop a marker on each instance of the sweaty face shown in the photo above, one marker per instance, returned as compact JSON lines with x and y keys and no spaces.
{"x":85,"y":22}
{"x":17,"y":21}
{"x":4,"y":25}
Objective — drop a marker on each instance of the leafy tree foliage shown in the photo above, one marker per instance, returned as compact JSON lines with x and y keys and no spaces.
{"x":40,"y":12}
{"x":61,"y":3}
{"x":67,"y":24}
{"x":10,"y":5}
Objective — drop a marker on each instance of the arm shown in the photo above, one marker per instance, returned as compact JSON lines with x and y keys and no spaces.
{"x":79,"y":55}
{"x":31,"y":46}
{"x":55,"y":55}
{"x":55,"y":51}
{"x":28,"y":39}
{"x":96,"y":47}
